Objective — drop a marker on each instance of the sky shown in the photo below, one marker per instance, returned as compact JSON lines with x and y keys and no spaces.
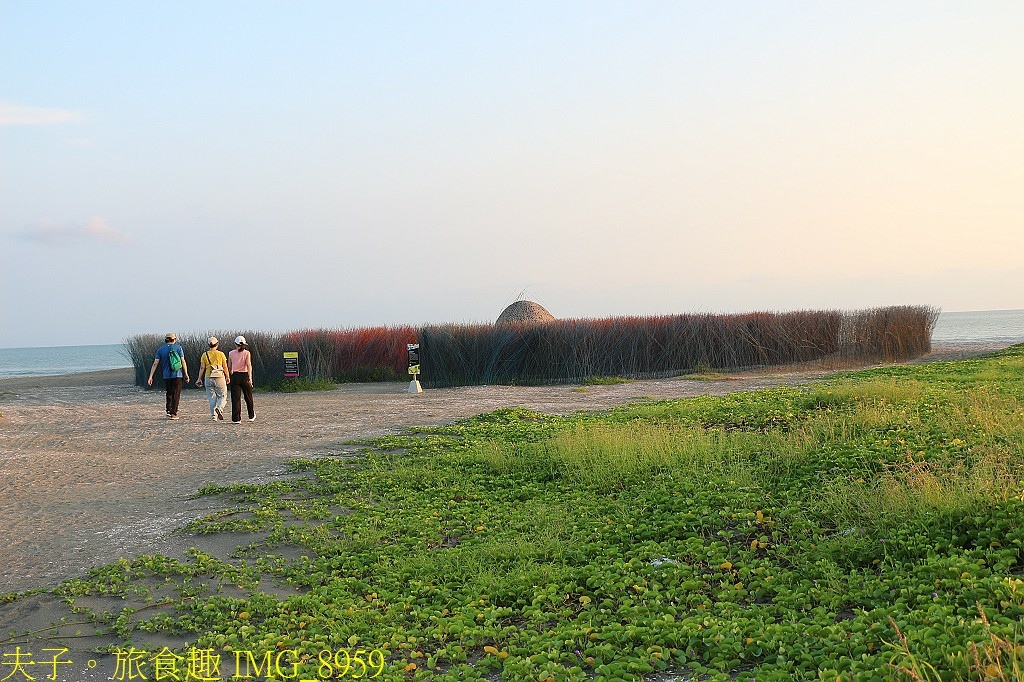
{"x":204,"y":165}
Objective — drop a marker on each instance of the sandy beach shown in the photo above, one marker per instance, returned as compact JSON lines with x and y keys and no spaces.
{"x":93,"y":470}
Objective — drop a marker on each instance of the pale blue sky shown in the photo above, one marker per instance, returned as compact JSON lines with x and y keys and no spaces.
{"x":280,"y":165}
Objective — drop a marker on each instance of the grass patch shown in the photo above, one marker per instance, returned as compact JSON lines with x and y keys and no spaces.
{"x":604,"y":381}
{"x":867,"y":527}
{"x":706,"y":375}
{"x":299,"y":384}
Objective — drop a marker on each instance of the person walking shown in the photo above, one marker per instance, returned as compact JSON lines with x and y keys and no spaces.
{"x":240,"y":366}
{"x":213,"y":369}
{"x":172,"y":357}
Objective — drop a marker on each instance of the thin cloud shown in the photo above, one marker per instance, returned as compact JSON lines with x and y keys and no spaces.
{"x":15,"y":115}
{"x":96,"y":230}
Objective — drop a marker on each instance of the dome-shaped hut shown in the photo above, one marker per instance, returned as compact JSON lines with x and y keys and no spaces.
{"x":524,"y":312}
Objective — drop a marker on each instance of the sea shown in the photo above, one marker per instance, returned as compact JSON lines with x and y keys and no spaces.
{"x":53,"y":360}
{"x":984,"y":326}
{"x":981,"y":326}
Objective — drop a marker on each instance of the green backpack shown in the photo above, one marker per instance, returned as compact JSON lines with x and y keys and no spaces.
{"x":174,"y":360}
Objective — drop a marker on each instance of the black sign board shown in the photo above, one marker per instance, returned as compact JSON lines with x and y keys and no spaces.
{"x":414,"y":358}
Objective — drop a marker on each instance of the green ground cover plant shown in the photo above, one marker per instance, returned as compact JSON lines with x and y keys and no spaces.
{"x":299,"y":384}
{"x":604,"y":381}
{"x":869,"y":527}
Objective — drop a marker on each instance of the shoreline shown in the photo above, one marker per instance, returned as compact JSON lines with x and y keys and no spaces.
{"x":100,"y":377}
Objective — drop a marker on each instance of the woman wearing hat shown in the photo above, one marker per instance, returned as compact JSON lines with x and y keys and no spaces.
{"x":213,"y":367}
{"x":240,"y":366}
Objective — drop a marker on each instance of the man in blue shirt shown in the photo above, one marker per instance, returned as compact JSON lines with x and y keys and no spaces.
{"x":172,"y":357}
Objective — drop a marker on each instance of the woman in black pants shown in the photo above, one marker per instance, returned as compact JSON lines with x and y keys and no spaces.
{"x":240,"y":366}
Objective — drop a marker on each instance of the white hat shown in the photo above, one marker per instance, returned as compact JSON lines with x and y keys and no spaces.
{"x":240,"y":340}
{"x":213,"y":341}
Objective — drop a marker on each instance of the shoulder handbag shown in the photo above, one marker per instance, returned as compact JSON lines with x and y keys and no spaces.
{"x":216,"y":371}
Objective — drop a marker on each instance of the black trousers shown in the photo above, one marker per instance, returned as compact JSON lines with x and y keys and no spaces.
{"x":173,"y":387}
{"x":240,"y":386}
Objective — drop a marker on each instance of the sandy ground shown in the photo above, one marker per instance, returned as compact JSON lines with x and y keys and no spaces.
{"x":91,"y":469}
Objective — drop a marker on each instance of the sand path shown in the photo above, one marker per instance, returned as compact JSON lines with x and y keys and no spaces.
{"x":92,"y":470}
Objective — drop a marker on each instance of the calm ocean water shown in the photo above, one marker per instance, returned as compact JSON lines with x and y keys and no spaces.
{"x":37,"y":362}
{"x":986,"y":326}
{"x":1000,"y":326}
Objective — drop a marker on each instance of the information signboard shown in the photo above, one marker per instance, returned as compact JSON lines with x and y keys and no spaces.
{"x":414,"y":358}
{"x":291,"y":364}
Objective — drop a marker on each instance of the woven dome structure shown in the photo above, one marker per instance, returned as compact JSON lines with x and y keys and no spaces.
{"x":524,"y":312}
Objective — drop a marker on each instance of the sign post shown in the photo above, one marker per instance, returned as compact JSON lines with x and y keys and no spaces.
{"x":414,"y":367}
{"x":291,"y":364}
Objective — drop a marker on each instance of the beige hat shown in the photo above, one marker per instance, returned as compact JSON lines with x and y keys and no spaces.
{"x":213,"y":341}
{"x":170,"y":337}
